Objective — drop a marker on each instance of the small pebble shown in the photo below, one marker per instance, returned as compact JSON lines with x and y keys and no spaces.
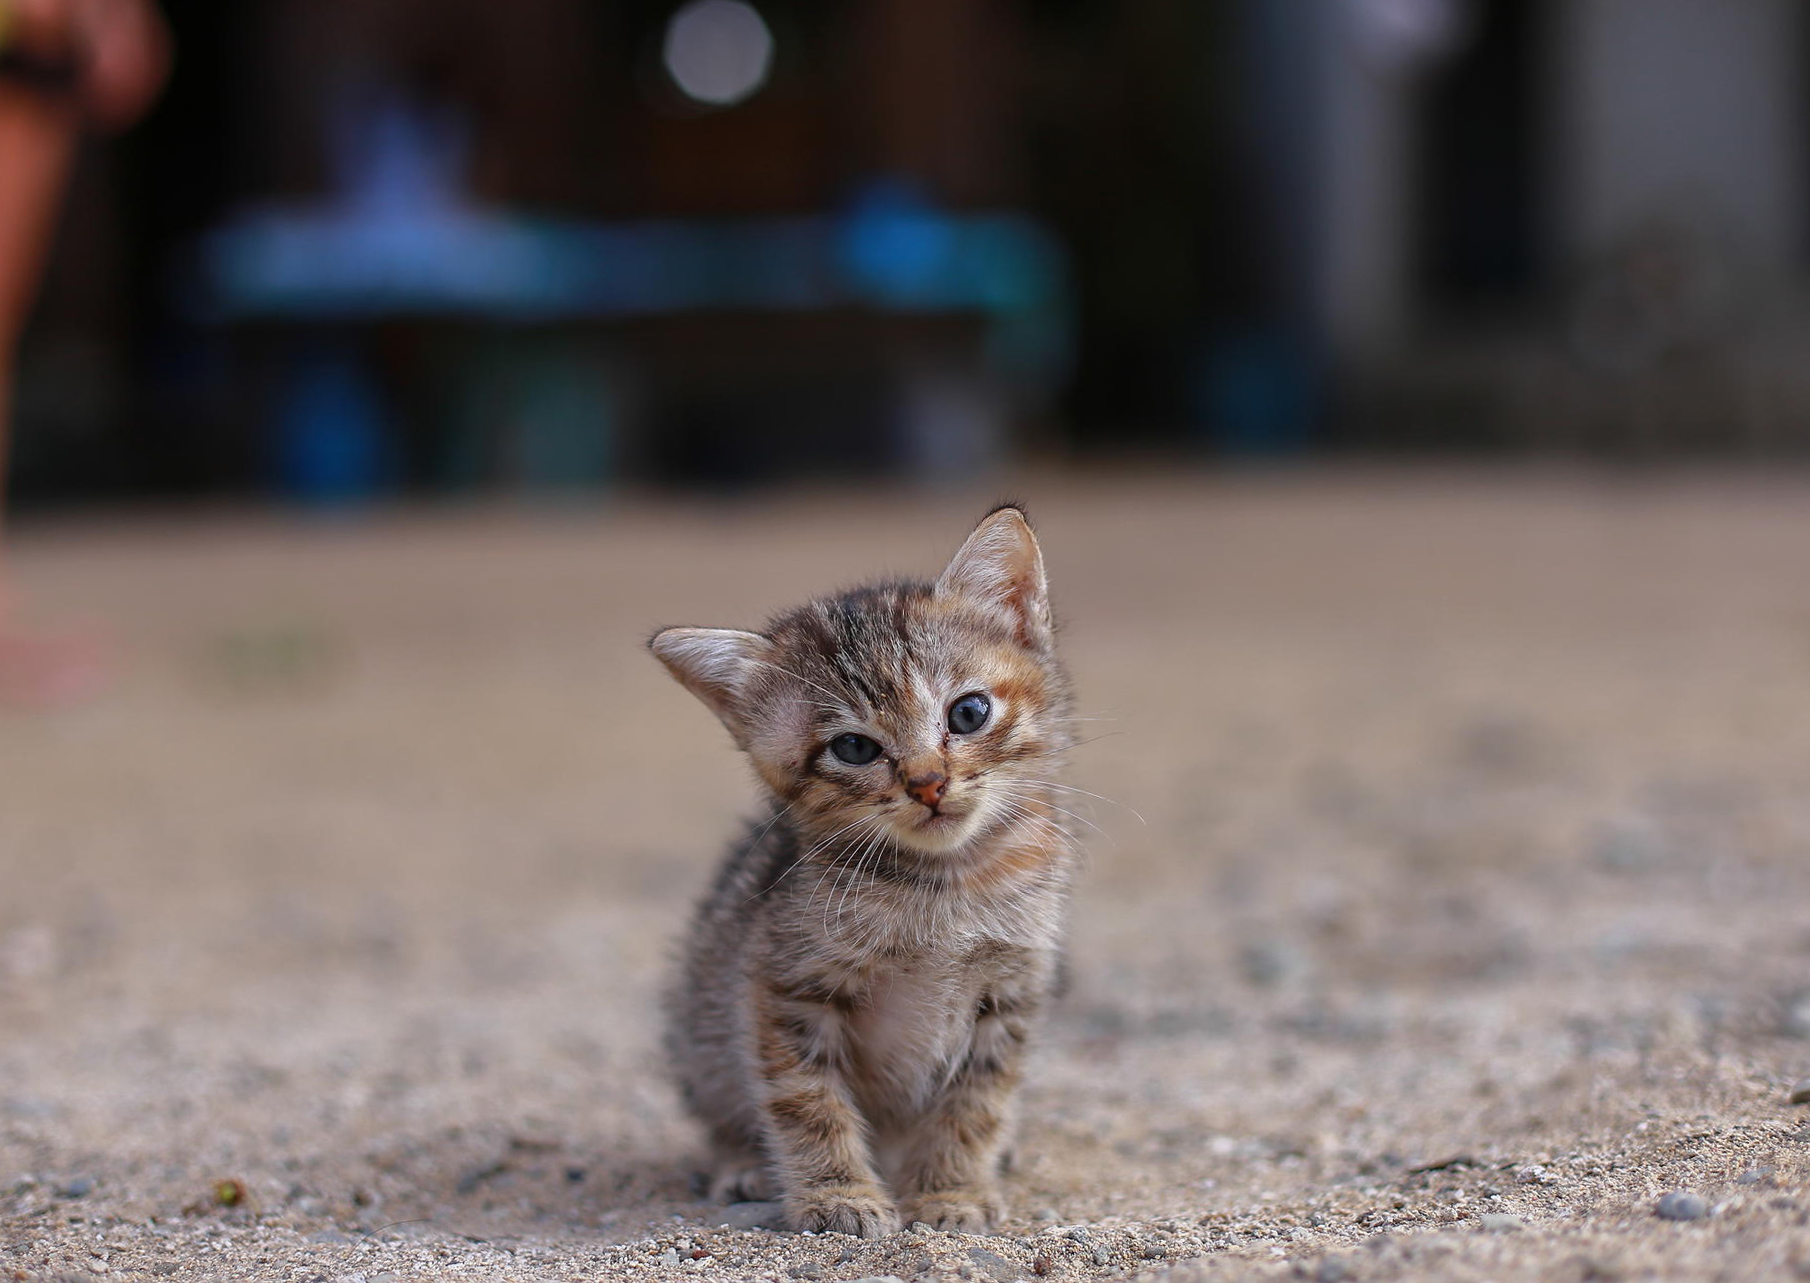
{"x":1332,"y":1269}
{"x":1044,"y":1214}
{"x":806,"y":1271}
{"x":1795,"y":1023}
{"x":670,"y":1256}
{"x":1502,"y":1222}
{"x":1754,"y":1175}
{"x":1681,"y":1205}
{"x":751,"y":1216}
{"x":880,"y":1278}
{"x":1800,"y":1094}
{"x":994,"y":1265}
{"x":476,"y":1176}
{"x":1631,"y":845}
{"x":79,"y":1187}
{"x":28,"y":1107}
{"x":1269,"y":964}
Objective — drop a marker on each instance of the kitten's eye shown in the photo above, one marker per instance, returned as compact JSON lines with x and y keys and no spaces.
{"x":856,"y":750}
{"x":969,"y":713}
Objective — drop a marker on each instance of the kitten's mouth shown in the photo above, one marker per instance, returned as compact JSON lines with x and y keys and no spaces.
{"x":936,"y":831}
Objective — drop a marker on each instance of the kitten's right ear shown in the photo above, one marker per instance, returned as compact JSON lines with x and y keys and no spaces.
{"x":714,"y":664}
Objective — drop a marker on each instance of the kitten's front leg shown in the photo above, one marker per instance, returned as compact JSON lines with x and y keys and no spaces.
{"x":813,"y":1130}
{"x":949,"y":1176}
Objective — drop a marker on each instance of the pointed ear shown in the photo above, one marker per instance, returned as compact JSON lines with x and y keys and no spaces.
{"x":714,"y":664}
{"x":1001,"y":565}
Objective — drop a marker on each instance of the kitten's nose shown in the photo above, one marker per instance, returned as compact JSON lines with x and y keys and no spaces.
{"x":928,"y":789}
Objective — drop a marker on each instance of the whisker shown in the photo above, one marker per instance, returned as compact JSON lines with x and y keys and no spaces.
{"x":871,"y":850}
{"x":1091,"y":739}
{"x":1072,"y":789}
{"x":807,"y":855}
{"x":1016,"y":811}
{"x":1071,"y":814}
{"x":781,"y":668}
{"x":768,"y":826}
{"x":850,"y":877}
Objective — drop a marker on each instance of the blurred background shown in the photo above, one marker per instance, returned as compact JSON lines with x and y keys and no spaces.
{"x":367,"y":248}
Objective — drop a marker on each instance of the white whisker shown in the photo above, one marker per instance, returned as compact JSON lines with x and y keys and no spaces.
{"x":1072,"y":789}
{"x":807,"y":855}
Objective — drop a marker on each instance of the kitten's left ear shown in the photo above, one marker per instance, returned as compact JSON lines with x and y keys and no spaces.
{"x":714,"y":664}
{"x":1001,"y":565}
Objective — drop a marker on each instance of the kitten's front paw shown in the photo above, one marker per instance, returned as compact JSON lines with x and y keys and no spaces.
{"x":966,"y":1211}
{"x":843,"y":1209}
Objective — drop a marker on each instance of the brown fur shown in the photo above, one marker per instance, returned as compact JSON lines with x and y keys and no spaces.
{"x":858,"y":987}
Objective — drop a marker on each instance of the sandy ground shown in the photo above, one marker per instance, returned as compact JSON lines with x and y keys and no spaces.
{"x":1453,"y":907}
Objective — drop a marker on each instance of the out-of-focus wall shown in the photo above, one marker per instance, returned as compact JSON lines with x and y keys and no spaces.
{"x":1695,"y":107}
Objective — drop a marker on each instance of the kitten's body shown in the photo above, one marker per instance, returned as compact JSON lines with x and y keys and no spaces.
{"x":858,"y":986}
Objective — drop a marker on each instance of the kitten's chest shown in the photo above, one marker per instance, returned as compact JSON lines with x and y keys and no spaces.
{"x":912,"y":1028}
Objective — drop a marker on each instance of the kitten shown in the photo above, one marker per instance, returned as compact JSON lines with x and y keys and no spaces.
{"x":858,"y":986}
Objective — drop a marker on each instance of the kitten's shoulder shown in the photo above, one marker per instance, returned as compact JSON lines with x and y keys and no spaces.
{"x":754,"y":865}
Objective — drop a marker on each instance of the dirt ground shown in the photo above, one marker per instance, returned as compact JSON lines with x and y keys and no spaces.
{"x":1453,"y":904}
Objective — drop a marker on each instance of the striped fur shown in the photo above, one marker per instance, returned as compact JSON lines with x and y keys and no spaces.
{"x":858,"y":987}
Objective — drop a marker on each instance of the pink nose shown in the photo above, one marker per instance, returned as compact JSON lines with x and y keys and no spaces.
{"x":928,"y":789}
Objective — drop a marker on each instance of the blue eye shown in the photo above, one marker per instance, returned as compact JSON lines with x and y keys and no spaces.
{"x":856,"y":750}
{"x":969,"y":713}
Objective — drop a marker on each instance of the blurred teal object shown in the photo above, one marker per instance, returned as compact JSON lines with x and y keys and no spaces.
{"x":332,"y":446}
{"x":560,"y":432}
{"x":531,"y":411}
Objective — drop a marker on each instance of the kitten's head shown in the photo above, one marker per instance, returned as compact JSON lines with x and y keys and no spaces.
{"x":913,"y":711}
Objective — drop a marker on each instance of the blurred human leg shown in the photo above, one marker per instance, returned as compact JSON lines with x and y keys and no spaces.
{"x":37,"y":140}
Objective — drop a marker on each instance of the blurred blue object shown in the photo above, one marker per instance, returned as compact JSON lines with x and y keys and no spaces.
{"x":894,"y":245}
{"x":401,"y":241}
{"x":396,"y":156}
{"x":332,"y":439}
{"x":346,"y":263}
{"x":891,"y":252}
{"x":1259,"y":394}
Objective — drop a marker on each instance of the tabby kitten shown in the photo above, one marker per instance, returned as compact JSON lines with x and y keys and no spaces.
{"x":857,"y":988}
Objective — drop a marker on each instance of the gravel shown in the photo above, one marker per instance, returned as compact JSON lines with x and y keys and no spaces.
{"x":380,"y":952}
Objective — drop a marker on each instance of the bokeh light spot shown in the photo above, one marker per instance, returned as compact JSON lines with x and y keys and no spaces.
{"x":718,"y":52}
